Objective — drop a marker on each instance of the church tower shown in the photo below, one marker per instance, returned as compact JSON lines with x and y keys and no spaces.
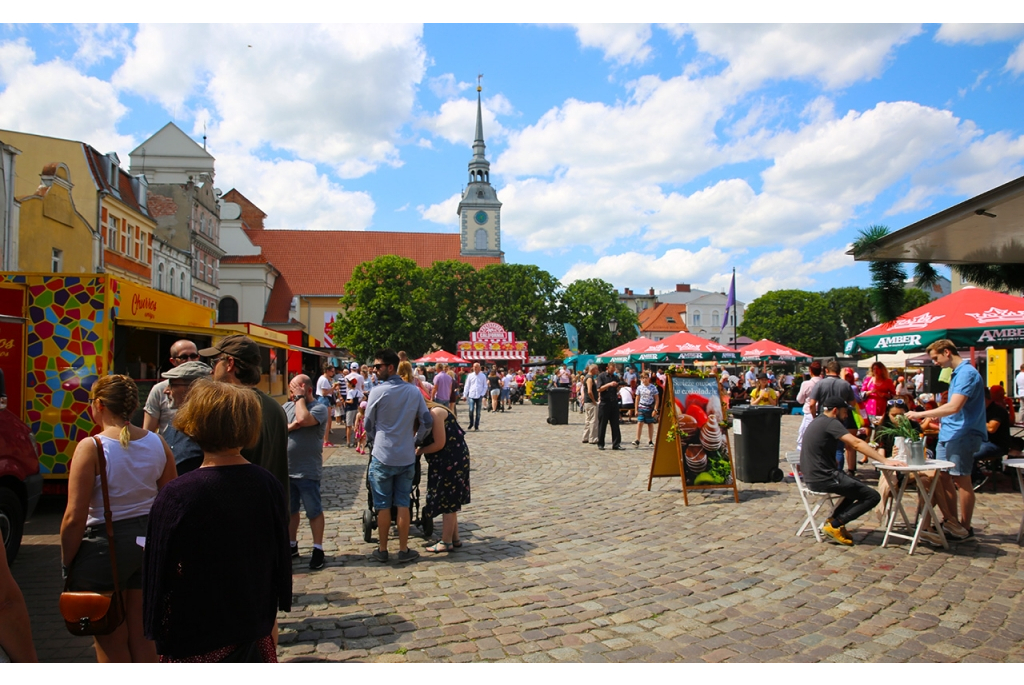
{"x":479,"y":211}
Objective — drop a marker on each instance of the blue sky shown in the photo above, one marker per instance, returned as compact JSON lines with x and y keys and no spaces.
{"x":644,"y":154}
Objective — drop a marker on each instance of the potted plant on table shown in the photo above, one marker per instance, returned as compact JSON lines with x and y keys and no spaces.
{"x":912,"y":438}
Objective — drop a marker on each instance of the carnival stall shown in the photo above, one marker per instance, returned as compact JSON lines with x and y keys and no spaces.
{"x":492,"y":344}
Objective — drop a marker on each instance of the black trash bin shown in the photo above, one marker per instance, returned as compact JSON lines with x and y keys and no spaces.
{"x":558,"y":405}
{"x":756,"y":432}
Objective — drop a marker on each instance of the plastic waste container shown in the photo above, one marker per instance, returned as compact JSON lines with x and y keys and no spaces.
{"x":558,"y":406}
{"x":756,"y":432}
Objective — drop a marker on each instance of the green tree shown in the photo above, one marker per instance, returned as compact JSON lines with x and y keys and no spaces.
{"x":853,"y":307}
{"x":384,"y":306}
{"x":524,"y":299}
{"x":799,"y":319}
{"x":451,"y":287}
{"x":914,"y":298}
{"x":887,"y":276}
{"x":589,"y":305}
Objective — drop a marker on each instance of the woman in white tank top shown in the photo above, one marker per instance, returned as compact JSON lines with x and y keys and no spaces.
{"x":139,"y":463}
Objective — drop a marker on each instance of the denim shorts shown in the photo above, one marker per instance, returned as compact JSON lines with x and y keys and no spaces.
{"x":646,"y":416}
{"x":308,"y":491}
{"x":959,"y":450}
{"x":390,"y":485}
{"x":326,"y":401}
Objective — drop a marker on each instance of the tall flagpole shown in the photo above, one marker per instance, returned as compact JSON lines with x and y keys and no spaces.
{"x":735,"y":343}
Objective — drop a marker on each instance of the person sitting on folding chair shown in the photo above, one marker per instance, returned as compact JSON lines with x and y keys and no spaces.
{"x":820,"y":471}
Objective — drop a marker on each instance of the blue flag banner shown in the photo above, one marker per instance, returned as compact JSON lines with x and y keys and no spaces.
{"x":730,"y":304}
{"x":573,"y":338}
{"x":638,"y":333}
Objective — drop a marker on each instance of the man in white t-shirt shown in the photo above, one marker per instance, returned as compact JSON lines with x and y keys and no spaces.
{"x":626,"y":400}
{"x":750,"y":378}
{"x":1019,"y":382}
{"x":353,"y":396}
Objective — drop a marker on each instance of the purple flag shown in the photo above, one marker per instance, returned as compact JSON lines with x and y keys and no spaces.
{"x":730,"y":303}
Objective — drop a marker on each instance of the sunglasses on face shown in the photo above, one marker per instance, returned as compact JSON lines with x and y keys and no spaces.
{"x":896,"y":403}
{"x":187,"y":357}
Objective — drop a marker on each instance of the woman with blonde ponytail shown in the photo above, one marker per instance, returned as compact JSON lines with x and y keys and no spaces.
{"x":139,"y":464}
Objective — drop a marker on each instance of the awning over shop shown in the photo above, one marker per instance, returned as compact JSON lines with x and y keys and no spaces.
{"x":173,"y":328}
{"x":986,"y":229}
{"x":481,"y":355}
{"x":259,"y":334}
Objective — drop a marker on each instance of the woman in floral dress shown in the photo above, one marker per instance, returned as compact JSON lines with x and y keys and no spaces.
{"x":447,"y":475}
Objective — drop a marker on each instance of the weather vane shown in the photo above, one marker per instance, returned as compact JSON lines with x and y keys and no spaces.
{"x":479,"y":77}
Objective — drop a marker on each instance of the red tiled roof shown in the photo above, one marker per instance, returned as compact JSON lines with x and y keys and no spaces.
{"x":124,"y":185}
{"x":319,"y":263}
{"x":656,"y":318}
{"x":244,"y":259}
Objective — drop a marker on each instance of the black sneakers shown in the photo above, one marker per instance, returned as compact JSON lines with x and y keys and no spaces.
{"x":380,"y":555}
{"x":295,"y":551}
{"x":316,"y":561}
{"x":407,"y":555}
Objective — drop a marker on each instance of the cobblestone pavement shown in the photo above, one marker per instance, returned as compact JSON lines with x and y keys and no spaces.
{"x":567,"y":557}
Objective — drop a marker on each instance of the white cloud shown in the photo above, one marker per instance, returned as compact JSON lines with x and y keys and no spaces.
{"x":977,"y":34}
{"x":444,"y":212}
{"x":97,"y":42}
{"x":55,"y":99}
{"x":293,"y":193}
{"x":1015,"y":63}
{"x":620,"y":43}
{"x":333,"y":94}
{"x":649,"y":270}
{"x":837,"y":55}
{"x":456,"y":120}
{"x":787,"y":268}
{"x":446,"y":87}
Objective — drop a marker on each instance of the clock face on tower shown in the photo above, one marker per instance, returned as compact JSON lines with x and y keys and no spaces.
{"x":480,"y":217}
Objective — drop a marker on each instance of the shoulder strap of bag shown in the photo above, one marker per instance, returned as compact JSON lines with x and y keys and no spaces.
{"x":108,"y":518}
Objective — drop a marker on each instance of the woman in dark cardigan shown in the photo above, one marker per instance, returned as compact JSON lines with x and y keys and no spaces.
{"x":217,"y":565}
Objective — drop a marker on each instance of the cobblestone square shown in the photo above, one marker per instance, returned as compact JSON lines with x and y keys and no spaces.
{"x":568,"y":558}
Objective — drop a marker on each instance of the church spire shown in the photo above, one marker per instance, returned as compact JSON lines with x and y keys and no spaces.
{"x":479,"y":167}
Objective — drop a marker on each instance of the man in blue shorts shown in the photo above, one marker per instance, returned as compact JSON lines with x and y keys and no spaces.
{"x":307,"y":421}
{"x":961,"y":432}
{"x":396,"y":419}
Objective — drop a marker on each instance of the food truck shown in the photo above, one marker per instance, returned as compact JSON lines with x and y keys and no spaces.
{"x":64,"y":331}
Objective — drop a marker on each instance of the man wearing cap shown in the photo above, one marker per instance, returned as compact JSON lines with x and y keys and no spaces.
{"x":236,"y":359}
{"x":160,"y":408}
{"x":822,"y":473}
{"x":353,"y":396}
{"x":325,"y":396}
{"x":188,"y":456}
{"x":307,"y":420}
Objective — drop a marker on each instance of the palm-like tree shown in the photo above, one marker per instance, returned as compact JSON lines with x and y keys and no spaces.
{"x":887,"y":276}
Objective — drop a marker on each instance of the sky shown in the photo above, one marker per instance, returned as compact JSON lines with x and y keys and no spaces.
{"x":643,"y":154}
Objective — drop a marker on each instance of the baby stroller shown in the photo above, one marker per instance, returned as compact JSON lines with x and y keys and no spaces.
{"x":426,"y":525}
{"x":515,"y":394}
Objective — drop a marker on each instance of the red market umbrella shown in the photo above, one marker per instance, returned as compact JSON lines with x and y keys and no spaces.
{"x":622,"y":353}
{"x":765,"y":350}
{"x":441,"y":357}
{"x":972,"y":317}
{"x":684,"y":345}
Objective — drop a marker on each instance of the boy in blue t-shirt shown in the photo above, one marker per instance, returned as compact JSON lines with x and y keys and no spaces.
{"x":961,"y":433}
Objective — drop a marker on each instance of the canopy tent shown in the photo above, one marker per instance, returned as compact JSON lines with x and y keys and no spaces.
{"x":442,"y":357}
{"x":971,"y":317}
{"x":579,"y":361}
{"x":684,"y":345}
{"x":897,"y":360}
{"x":765,"y":350}
{"x":622,"y":353}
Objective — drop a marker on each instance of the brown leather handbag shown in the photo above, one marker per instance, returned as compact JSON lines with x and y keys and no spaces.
{"x":95,"y":613}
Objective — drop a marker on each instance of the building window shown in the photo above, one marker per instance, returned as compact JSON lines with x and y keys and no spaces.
{"x":130,"y":233}
{"x":480,"y":239}
{"x":140,"y":250}
{"x":57,"y":261}
{"x":172,"y":281}
{"x":227,"y":311}
{"x":696,"y":318}
{"x":112,"y":234}
{"x":669,"y":319}
{"x":160,"y":276}
{"x":182,"y":277}
{"x":716,"y":318}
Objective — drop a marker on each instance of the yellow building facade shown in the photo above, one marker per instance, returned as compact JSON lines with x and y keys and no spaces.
{"x":53,"y":236}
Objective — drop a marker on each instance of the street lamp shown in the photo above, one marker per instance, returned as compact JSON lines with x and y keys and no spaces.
{"x":613,"y":326}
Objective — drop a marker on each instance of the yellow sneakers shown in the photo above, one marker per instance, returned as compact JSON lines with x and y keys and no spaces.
{"x":838,"y":534}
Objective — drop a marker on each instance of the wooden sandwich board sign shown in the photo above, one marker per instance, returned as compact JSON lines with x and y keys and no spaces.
{"x":692,"y":443}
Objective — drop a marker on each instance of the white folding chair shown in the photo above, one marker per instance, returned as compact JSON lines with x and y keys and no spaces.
{"x":813,"y":501}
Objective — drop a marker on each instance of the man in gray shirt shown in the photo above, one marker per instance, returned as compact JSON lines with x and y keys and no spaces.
{"x":307,"y":420}
{"x":160,"y":407}
{"x":396,"y":419}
